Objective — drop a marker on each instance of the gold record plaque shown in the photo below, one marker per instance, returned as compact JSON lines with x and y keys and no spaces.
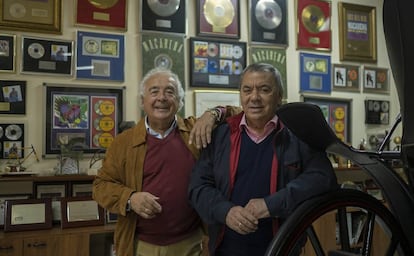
{"x":104,"y":13}
{"x":163,"y":15}
{"x":314,"y":26}
{"x":268,"y":19}
{"x":218,"y":18}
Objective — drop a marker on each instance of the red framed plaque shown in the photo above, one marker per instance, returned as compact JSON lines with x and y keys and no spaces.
{"x":218,"y":18}
{"x":110,"y":14}
{"x":314,"y":26}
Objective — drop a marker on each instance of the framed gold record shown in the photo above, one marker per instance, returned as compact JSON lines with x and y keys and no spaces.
{"x":218,"y":18}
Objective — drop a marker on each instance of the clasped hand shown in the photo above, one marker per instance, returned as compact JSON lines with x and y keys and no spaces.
{"x":145,"y":204}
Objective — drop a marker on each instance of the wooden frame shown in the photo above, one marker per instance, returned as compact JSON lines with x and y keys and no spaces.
{"x":81,"y":190}
{"x":28,"y":214}
{"x":225,"y":23}
{"x":81,"y":212}
{"x":107,"y":14}
{"x":7,"y":53}
{"x":268,"y":22}
{"x":216,"y":63}
{"x":12,"y":97}
{"x":43,"y":56}
{"x":376,"y":80}
{"x":357,"y":32}
{"x":204,"y":99}
{"x":101,"y":108}
{"x":345,"y":78}
{"x":111,"y":217}
{"x":33,"y":16}
{"x":3,"y":199}
{"x":54,"y":191}
{"x":314,"y":25}
{"x":337,"y":113}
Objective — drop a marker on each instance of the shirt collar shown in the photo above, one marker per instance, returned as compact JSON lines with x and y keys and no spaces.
{"x":157,"y":134}
{"x":269,"y":127}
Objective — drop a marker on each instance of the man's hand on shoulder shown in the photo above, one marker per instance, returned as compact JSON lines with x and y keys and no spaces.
{"x":200,"y":135}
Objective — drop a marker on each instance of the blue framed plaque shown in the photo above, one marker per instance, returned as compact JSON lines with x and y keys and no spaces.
{"x":315,"y":73}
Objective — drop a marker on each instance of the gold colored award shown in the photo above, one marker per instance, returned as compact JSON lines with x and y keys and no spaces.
{"x":103,"y":4}
{"x":219,"y":14}
{"x":313,"y":18}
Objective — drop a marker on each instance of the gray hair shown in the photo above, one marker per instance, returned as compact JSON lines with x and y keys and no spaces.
{"x":160,"y":70}
{"x":267,"y":68}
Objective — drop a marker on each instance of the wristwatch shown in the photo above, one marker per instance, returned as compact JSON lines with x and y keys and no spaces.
{"x":128,"y":205}
{"x":215,"y":113}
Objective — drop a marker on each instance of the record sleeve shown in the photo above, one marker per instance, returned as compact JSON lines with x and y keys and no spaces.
{"x":168,"y":16}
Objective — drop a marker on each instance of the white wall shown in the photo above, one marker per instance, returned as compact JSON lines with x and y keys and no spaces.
{"x":34,"y":111}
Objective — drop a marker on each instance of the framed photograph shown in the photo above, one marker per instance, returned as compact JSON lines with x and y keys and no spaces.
{"x":166,"y":16}
{"x":345,"y":78}
{"x":218,"y":18}
{"x":7,"y":53}
{"x":377,"y":112}
{"x":100,"y":56}
{"x":357,"y":32}
{"x":81,"y":190}
{"x":337,"y":113}
{"x":28,"y":214}
{"x":42,"y":56}
{"x":215,"y":63}
{"x":12,"y":97}
{"x":204,"y":99}
{"x":105,"y":14}
{"x":315,"y":73}
{"x":80,"y":212}
{"x":314,"y":25}
{"x":87,"y":116}
{"x":111,"y":217}
{"x":3,"y":200}
{"x":33,"y":16}
{"x":273,"y":56}
{"x":268,"y":22}
{"x":12,"y":139}
{"x":376,"y":80}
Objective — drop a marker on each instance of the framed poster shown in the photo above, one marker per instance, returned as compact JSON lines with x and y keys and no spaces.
{"x":106,"y":14}
{"x":12,"y":97}
{"x":218,"y":18}
{"x":88,"y":115}
{"x":337,"y":113}
{"x":314,"y":25}
{"x":33,"y":16}
{"x":7,"y":53}
{"x":205,"y":99}
{"x":345,"y":78}
{"x":268,"y":21}
{"x":81,"y":212}
{"x":376,"y":80}
{"x":273,"y":56}
{"x":315,"y":73}
{"x":357,"y":32}
{"x":12,"y":141}
{"x":168,"y":16}
{"x":43,"y":56}
{"x":100,"y":56}
{"x":215,"y":63}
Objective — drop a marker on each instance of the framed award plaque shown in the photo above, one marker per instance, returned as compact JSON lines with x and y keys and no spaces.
{"x":218,"y":18}
{"x":12,"y":137}
{"x":7,"y":53}
{"x":268,"y":21}
{"x":314,"y":26}
{"x":377,"y":112}
{"x":159,"y":15}
{"x":12,"y":97}
{"x":315,"y":73}
{"x":102,"y":13}
{"x":345,"y":78}
{"x":375,"y":80}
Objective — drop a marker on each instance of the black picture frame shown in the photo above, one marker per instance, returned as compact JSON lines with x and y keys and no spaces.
{"x":7,"y":53}
{"x":265,"y":30}
{"x":44,"y":56}
{"x":13,"y":97}
{"x":12,"y":139}
{"x":216,"y":63}
{"x":163,"y":17}
{"x":99,"y":110}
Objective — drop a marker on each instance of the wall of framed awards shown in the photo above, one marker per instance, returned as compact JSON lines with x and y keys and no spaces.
{"x":207,"y":43}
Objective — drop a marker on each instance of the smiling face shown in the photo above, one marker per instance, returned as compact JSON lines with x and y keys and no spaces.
{"x":160,"y":99}
{"x":259,"y":97}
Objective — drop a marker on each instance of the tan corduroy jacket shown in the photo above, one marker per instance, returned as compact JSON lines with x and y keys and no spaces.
{"x":121,"y":174}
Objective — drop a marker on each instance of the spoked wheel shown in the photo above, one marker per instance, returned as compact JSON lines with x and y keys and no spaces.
{"x":344,"y":222}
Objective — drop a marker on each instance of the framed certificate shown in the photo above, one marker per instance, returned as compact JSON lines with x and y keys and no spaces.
{"x":314,"y":26}
{"x":376,"y":80}
{"x":55,"y":192}
{"x":12,"y":97}
{"x":218,"y":18}
{"x":28,"y":214}
{"x":33,"y":16}
{"x":7,"y":53}
{"x":345,"y":78}
{"x":315,"y":73}
{"x":80,"y":212}
{"x":166,"y":16}
{"x":204,"y":99}
{"x":3,"y":200}
{"x":42,"y":56}
{"x":107,"y":14}
{"x":100,"y":56}
{"x":216,"y":63}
